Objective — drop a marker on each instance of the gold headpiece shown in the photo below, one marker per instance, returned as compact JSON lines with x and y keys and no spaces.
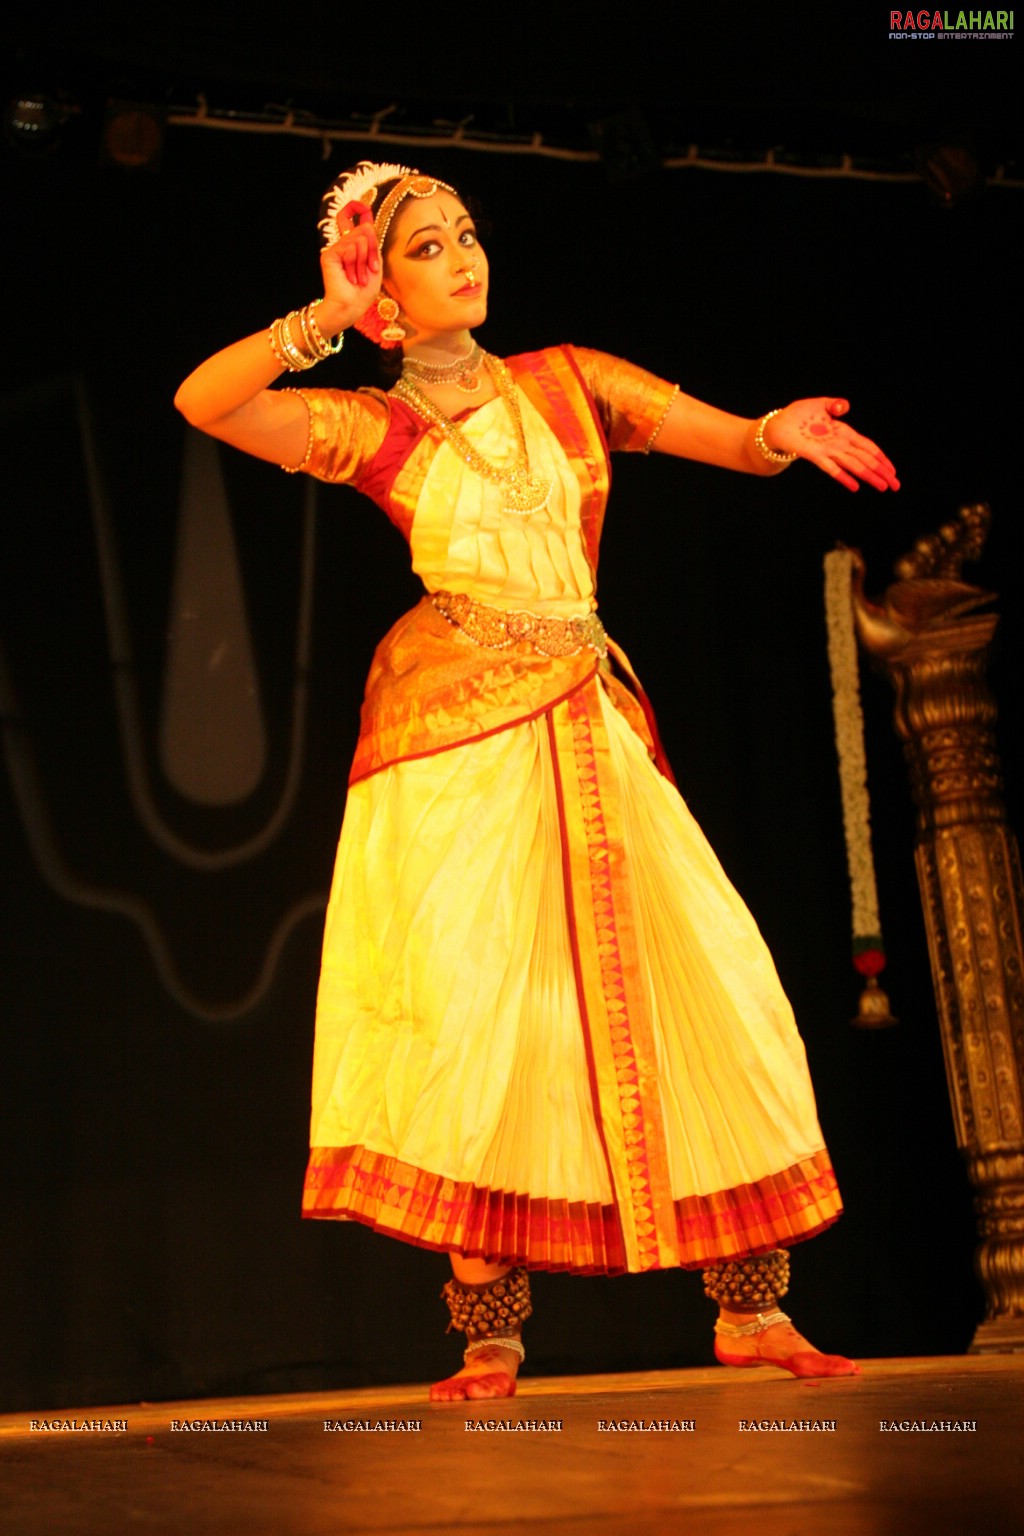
{"x":362,"y":184}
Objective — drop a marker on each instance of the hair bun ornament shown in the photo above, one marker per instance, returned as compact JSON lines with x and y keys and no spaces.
{"x":358,"y":185}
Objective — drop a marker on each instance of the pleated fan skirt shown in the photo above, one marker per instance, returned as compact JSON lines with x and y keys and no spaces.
{"x":548,"y":1030}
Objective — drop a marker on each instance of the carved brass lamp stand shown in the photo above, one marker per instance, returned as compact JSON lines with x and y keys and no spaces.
{"x":935,"y":647}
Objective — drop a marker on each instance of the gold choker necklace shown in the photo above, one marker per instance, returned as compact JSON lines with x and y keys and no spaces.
{"x":463,"y":372}
{"x":522,"y":493}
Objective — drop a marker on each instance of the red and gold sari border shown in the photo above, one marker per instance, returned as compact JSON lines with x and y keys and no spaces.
{"x":616,"y":1023}
{"x":554,"y":384}
{"x":776,"y":1211}
{"x":426,"y":692}
{"x":353,"y":1183}
{"x":505,"y":1227}
{"x":365,"y":767}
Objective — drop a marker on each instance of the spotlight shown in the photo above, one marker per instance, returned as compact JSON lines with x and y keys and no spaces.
{"x":34,"y":121}
{"x":951,"y":173}
{"x":133,"y":135}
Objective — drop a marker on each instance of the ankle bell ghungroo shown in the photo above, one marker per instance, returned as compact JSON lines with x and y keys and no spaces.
{"x":489,"y":1311}
{"x":749,"y":1285}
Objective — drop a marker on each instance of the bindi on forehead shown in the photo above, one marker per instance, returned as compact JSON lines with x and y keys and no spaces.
{"x":441,"y":211}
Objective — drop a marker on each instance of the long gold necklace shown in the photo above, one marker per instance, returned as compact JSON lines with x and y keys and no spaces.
{"x":522,"y":493}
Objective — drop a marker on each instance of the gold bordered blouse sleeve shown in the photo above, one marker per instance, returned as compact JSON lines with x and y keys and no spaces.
{"x":631,"y":402}
{"x":346,"y":430}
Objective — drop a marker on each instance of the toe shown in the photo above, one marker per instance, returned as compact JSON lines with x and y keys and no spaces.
{"x":840,"y":1366}
{"x":450,"y":1391}
{"x":815,"y":1364}
{"x":494,"y":1384}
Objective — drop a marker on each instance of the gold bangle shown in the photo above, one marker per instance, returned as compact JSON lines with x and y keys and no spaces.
{"x":292,"y":356}
{"x":300,"y":359}
{"x":279,"y":356}
{"x":285,"y":349}
{"x":308,"y":337}
{"x":319,"y":341}
{"x":770,"y":454}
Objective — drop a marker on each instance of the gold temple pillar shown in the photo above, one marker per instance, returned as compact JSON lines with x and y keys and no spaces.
{"x":935,"y":646}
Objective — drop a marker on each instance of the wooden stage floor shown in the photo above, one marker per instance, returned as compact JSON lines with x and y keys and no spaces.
{"x":457,"y":1476}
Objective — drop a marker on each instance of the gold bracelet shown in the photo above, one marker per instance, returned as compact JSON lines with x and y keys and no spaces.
{"x":309,"y":341}
{"x":772,"y":456}
{"x":279,"y":356}
{"x":315,"y":346}
{"x":300,"y":359}
{"x":285,"y":349}
{"x":319,"y":341}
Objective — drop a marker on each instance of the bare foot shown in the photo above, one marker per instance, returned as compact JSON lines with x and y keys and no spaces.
{"x":783,"y":1346}
{"x":488,"y":1372}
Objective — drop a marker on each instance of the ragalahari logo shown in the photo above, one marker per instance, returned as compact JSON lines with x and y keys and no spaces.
{"x":951,"y":26}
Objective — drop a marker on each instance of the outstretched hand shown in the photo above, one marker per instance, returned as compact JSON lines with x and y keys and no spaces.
{"x":811,"y":428}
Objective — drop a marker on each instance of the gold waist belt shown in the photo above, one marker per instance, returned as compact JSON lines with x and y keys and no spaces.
{"x":500,"y":628}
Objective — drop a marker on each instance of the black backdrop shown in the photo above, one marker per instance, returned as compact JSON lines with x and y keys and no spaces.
{"x":153,"y":1160}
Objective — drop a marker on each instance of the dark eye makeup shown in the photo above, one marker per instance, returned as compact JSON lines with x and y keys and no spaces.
{"x":465,"y":237}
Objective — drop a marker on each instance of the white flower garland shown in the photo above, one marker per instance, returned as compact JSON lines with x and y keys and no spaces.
{"x":357,"y":186}
{"x":849,"y":727}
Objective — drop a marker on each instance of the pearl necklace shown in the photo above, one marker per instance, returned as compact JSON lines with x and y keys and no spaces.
{"x":522,"y":493}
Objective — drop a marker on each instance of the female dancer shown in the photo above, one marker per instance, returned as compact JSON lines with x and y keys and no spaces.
{"x":549,"y":1034}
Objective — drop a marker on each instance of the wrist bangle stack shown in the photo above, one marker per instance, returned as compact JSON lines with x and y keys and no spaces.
{"x":314,"y":347}
{"x":772,"y":456}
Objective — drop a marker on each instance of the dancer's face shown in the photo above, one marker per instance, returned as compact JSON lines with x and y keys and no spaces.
{"x":435,"y":266}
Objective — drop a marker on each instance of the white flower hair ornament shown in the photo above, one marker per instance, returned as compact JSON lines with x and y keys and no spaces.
{"x":358,"y":185}
{"x":362,"y":185}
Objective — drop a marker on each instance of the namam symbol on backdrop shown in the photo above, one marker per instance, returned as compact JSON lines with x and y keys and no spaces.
{"x":212,"y":746}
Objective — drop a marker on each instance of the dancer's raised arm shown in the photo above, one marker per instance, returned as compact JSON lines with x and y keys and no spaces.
{"x":229,"y":395}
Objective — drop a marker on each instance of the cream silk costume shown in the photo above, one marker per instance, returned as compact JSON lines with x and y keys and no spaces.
{"x":548,"y":1031}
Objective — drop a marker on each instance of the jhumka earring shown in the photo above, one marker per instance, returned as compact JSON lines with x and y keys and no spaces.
{"x":388,"y":311}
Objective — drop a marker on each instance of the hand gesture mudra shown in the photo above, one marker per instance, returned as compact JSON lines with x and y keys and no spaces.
{"x":812,"y":430}
{"x":351,"y":267}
